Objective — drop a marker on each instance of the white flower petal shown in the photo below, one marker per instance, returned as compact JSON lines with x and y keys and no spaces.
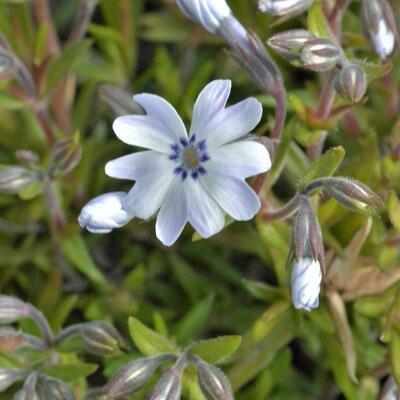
{"x":136,"y":165}
{"x":104,"y":213}
{"x":233,"y":122}
{"x":211,"y":100}
{"x":234,"y":195}
{"x":384,"y":40}
{"x":172,"y":216}
{"x":239,"y":159}
{"x":204,"y":214}
{"x":157,"y":130}
{"x":148,"y":193}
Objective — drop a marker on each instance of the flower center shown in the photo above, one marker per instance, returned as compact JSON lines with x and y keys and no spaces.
{"x":190,"y":155}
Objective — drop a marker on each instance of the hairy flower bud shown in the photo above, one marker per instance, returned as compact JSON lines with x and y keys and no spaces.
{"x":101,"y":339}
{"x":9,"y":376}
{"x":15,"y":178}
{"x":321,"y":55}
{"x":305,"y":283}
{"x":168,"y":387}
{"x":352,"y":194}
{"x":53,"y":389}
{"x":209,"y":13}
{"x":213,"y":382}
{"x":132,"y":376}
{"x":351,"y":83}
{"x":105,"y":213}
{"x":289,"y":44}
{"x":284,"y":8}
{"x":65,"y":156}
{"x":12,"y":309}
{"x":379,"y":25}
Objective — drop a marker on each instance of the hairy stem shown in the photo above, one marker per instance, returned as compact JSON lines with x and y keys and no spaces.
{"x":282,"y":213}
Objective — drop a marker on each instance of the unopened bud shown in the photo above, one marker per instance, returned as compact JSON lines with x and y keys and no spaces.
{"x":9,"y":376}
{"x":284,"y":8}
{"x":132,"y":376}
{"x":66,"y":155}
{"x":53,"y":389}
{"x":119,"y":100}
{"x":379,"y":25}
{"x":321,"y":55}
{"x":12,"y":309}
{"x":27,"y":157}
{"x":351,"y":83}
{"x":14,"y":178}
{"x":213,"y":382}
{"x":101,"y":339}
{"x":290,"y":43}
{"x":28,"y":391}
{"x":168,"y":387}
{"x":352,"y":194}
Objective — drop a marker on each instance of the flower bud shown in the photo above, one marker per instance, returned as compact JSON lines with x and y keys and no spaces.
{"x":101,"y":339}
{"x":213,"y":382}
{"x":9,"y":376}
{"x":352,"y":194}
{"x":53,"y":389}
{"x":168,"y":387}
{"x":379,"y":25}
{"x":12,"y":309}
{"x":27,"y":157}
{"x":351,"y":83}
{"x":209,"y":13}
{"x":15,"y":178}
{"x":28,"y":391}
{"x":289,"y":44}
{"x":65,"y":156}
{"x":120,"y":101}
{"x":305,"y":283}
{"x":284,"y":8}
{"x":321,"y":55}
{"x":105,"y":213}
{"x":132,"y":377}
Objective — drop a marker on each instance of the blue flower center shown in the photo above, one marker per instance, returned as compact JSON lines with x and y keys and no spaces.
{"x":190,"y":155}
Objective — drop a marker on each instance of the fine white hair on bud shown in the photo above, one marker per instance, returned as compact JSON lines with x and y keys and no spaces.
{"x":287,"y":8}
{"x":105,"y":213}
{"x":306,"y":283}
{"x":209,"y":13}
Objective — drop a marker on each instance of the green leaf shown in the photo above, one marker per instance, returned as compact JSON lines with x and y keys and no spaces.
{"x":395,"y":354}
{"x":394,"y":210}
{"x":263,"y":291}
{"x":31,"y":191}
{"x":217,"y":349}
{"x":194,"y":321}
{"x":375,"y":71}
{"x":10,"y":102}
{"x":70,"y":372}
{"x":324,"y":167}
{"x":148,"y":341}
{"x":75,"y":250}
{"x":317,"y":22}
{"x":62,"y":65}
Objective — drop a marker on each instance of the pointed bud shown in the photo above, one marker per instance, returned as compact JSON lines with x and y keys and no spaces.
{"x":9,"y":376}
{"x":105,"y":213}
{"x":119,"y":100}
{"x":352,"y":194}
{"x":213,"y":382}
{"x":321,"y":55}
{"x":168,"y":387}
{"x":284,"y":8}
{"x":101,"y":339}
{"x":289,"y":44}
{"x":65,"y":156}
{"x":209,"y":13}
{"x":133,"y":376}
{"x":305,"y":283}
{"x":28,"y":391}
{"x":12,"y":309}
{"x":53,"y":389}
{"x":379,"y":25}
{"x":14,"y":178}
{"x":351,"y":83}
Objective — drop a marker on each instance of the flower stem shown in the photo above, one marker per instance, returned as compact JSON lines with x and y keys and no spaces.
{"x":43,"y":325}
{"x":82,"y":20}
{"x":280,"y":116}
{"x":282,"y":213}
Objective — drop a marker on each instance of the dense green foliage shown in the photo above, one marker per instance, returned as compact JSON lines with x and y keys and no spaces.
{"x":235,"y":283}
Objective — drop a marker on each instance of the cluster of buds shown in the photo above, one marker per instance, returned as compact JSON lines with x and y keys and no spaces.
{"x":133,"y":376}
{"x":303,"y":49}
{"x":379,"y":25}
{"x":284,"y":8}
